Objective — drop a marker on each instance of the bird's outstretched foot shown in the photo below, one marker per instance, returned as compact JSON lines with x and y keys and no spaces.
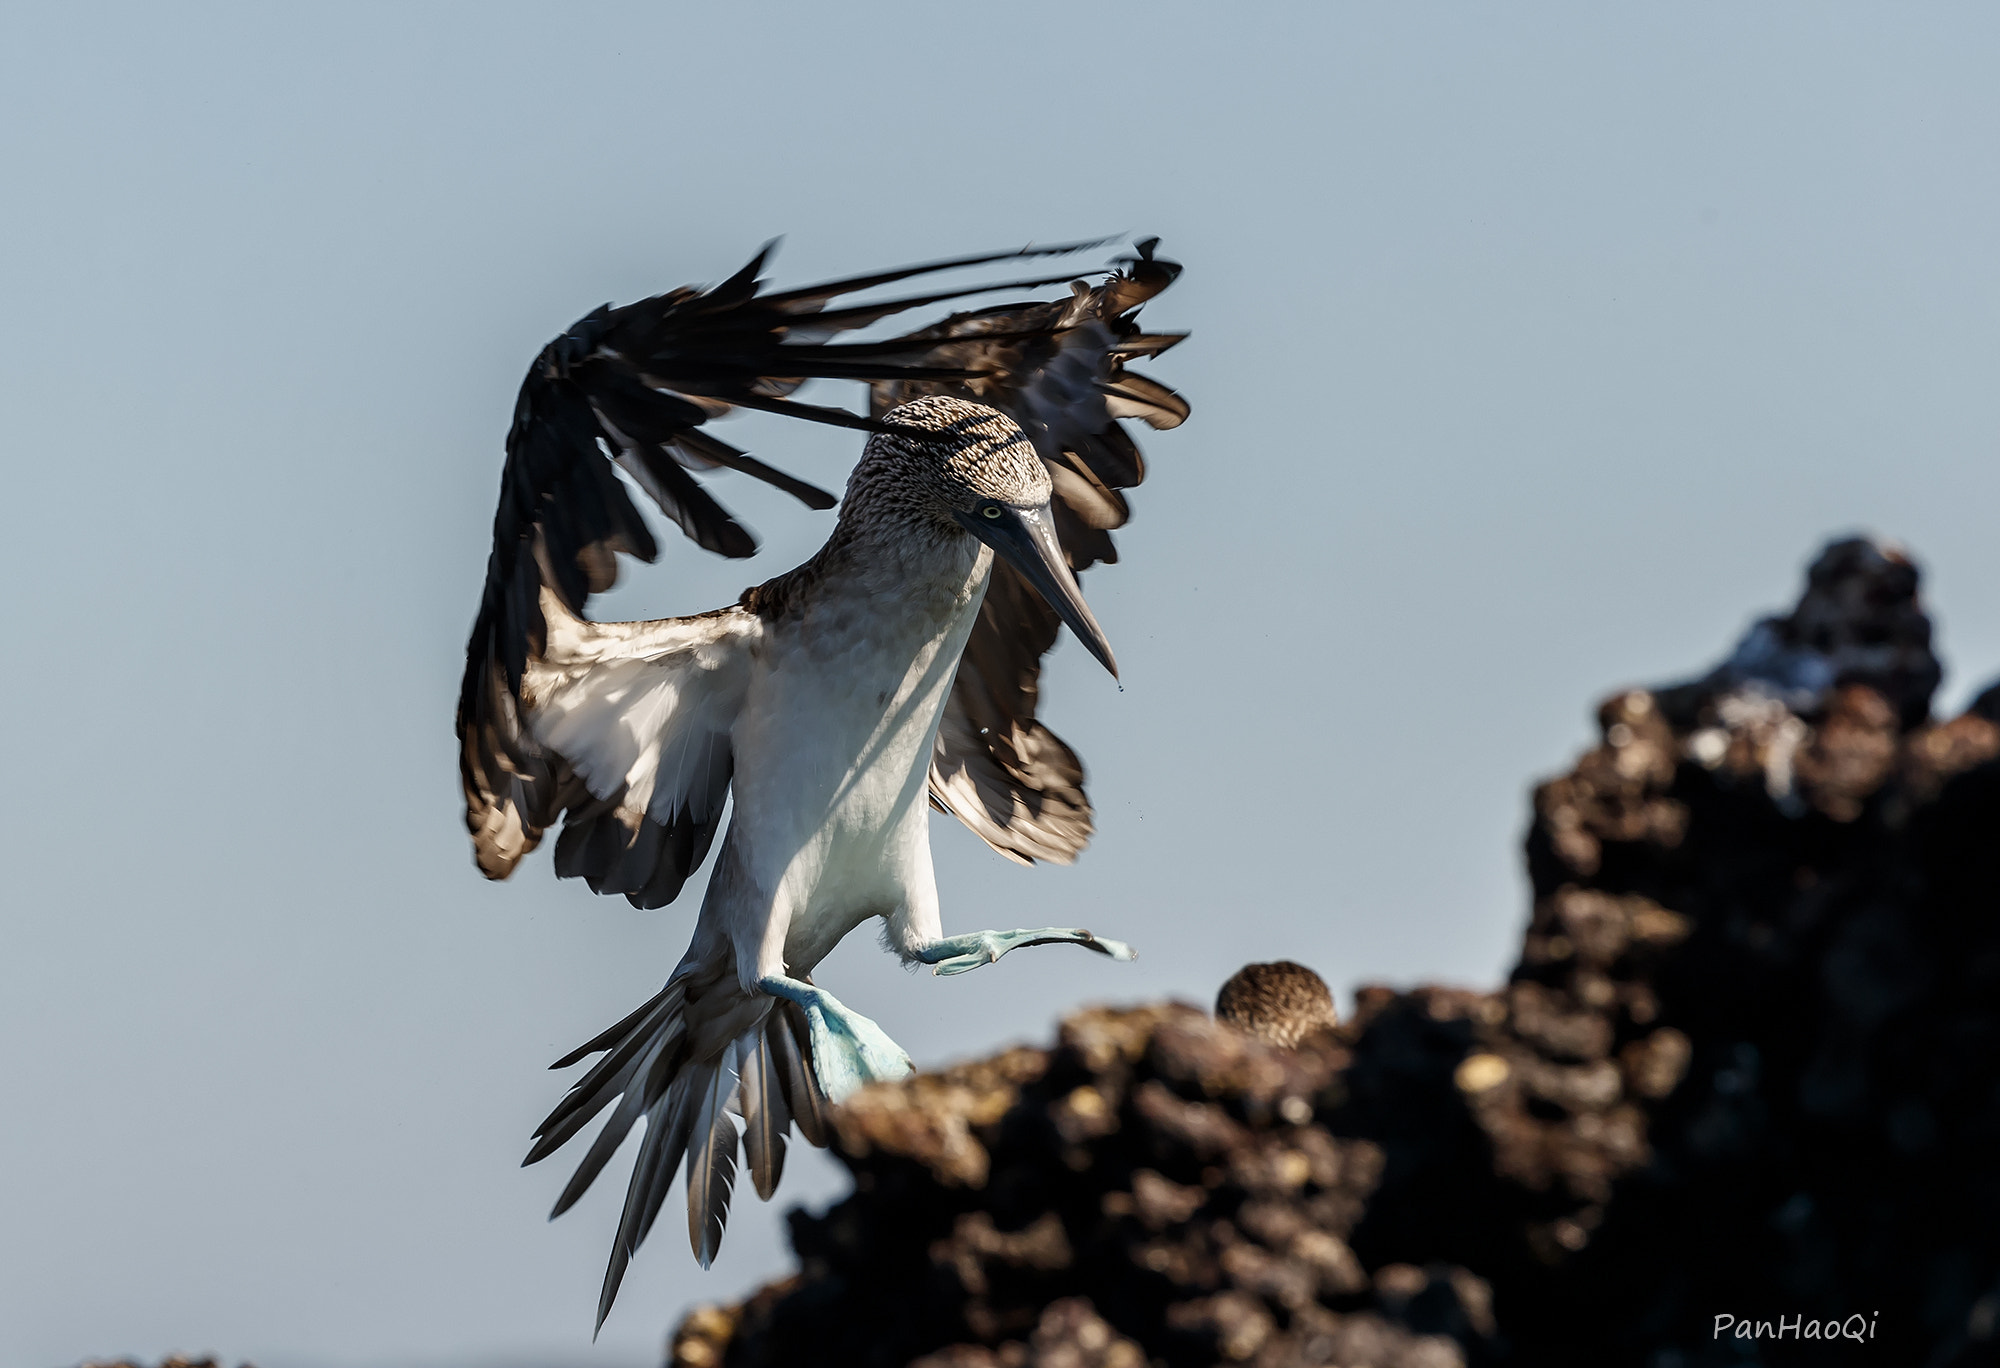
{"x":849,"y":1050}
{"x":957,"y":954}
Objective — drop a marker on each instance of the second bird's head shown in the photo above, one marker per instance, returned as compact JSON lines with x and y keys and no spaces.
{"x":962,"y":467}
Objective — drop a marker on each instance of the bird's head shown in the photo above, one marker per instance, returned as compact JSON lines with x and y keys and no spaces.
{"x":961,"y":468}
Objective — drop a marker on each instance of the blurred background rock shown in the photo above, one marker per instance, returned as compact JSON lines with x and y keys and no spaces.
{"x":1748,"y":1063}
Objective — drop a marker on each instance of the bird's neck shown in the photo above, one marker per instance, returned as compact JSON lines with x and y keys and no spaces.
{"x":918,"y":569}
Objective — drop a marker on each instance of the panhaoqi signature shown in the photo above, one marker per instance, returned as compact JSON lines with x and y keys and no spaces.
{"x":1856,"y":1327}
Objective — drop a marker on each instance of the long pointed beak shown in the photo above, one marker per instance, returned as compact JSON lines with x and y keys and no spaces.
{"x":1026,"y":539}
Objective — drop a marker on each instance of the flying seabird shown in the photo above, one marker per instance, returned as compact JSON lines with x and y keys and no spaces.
{"x":899,"y":663}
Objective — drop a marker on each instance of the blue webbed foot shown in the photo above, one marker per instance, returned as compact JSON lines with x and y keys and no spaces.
{"x":958,"y":954}
{"x":849,"y":1051}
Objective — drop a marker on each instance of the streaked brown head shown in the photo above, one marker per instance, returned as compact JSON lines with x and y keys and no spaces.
{"x":1280,"y":1003}
{"x":946,"y":457}
{"x":953,"y":464}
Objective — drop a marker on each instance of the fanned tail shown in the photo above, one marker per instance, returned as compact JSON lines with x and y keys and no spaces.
{"x":711,"y":1175}
{"x":654,"y":1066}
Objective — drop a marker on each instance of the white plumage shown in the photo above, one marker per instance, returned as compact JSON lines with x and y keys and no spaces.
{"x":818,"y":698}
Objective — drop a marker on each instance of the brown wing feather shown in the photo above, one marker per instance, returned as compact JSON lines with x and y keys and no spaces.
{"x":995,"y":767}
{"x":1058,"y":368}
{"x":633,"y":385}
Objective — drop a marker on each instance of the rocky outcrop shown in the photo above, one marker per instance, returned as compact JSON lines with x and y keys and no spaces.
{"x":1747,"y":1068}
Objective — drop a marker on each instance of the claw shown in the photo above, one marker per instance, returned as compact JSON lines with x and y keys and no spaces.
{"x":1116,"y":949}
{"x":960,"y":964}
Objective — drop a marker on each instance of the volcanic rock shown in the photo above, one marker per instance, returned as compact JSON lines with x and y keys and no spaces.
{"x":1747,"y":1068}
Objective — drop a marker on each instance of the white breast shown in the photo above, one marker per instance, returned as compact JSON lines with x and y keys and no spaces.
{"x":833,"y":748}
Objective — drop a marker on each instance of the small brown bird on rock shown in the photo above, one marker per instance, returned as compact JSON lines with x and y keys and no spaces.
{"x":1280,"y":1003}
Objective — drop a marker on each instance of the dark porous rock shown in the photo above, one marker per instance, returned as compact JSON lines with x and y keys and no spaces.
{"x":1747,"y":1066}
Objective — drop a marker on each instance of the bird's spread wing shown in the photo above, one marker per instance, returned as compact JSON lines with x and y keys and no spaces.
{"x":1058,"y":369}
{"x":633,"y":386}
{"x":620,"y":729}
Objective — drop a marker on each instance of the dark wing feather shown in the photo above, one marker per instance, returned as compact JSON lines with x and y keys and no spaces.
{"x":994,"y":766}
{"x":1058,"y":369}
{"x":639,"y":807}
{"x":633,"y":385}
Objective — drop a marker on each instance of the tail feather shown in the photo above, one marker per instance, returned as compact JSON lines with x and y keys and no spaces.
{"x":669,"y":1127}
{"x":643,"y":1099}
{"x":711,"y":1170}
{"x":616,"y":1127}
{"x":766,"y":1117}
{"x":658,"y":1064}
{"x":652,"y":1175}
{"x":793,"y":1054}
{"x":604,"y":1040}
{"x":651,"y":1032}
{"x":648,"y":1037}
{"x":627,"y":1037}
{"x":576,"y":1110}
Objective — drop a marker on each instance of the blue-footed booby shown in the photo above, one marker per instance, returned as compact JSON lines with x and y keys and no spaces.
{"x":892,"y":672}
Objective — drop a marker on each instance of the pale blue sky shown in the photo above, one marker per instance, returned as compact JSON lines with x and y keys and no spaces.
{"x":1535,"y":349}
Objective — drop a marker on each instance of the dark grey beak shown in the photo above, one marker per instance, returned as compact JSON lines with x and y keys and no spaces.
{"x":1026,"y":539}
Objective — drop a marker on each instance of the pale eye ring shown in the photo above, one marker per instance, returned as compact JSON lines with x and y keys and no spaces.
{"x":991,"y":510}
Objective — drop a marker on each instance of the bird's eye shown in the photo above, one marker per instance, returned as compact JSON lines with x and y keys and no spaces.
{"x":991,"y":510}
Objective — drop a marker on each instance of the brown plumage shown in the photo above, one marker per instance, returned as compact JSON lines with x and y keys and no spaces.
{"x":1280,"y":1003}
{"x":634,"y":385}
{"x":1057,"y":367}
